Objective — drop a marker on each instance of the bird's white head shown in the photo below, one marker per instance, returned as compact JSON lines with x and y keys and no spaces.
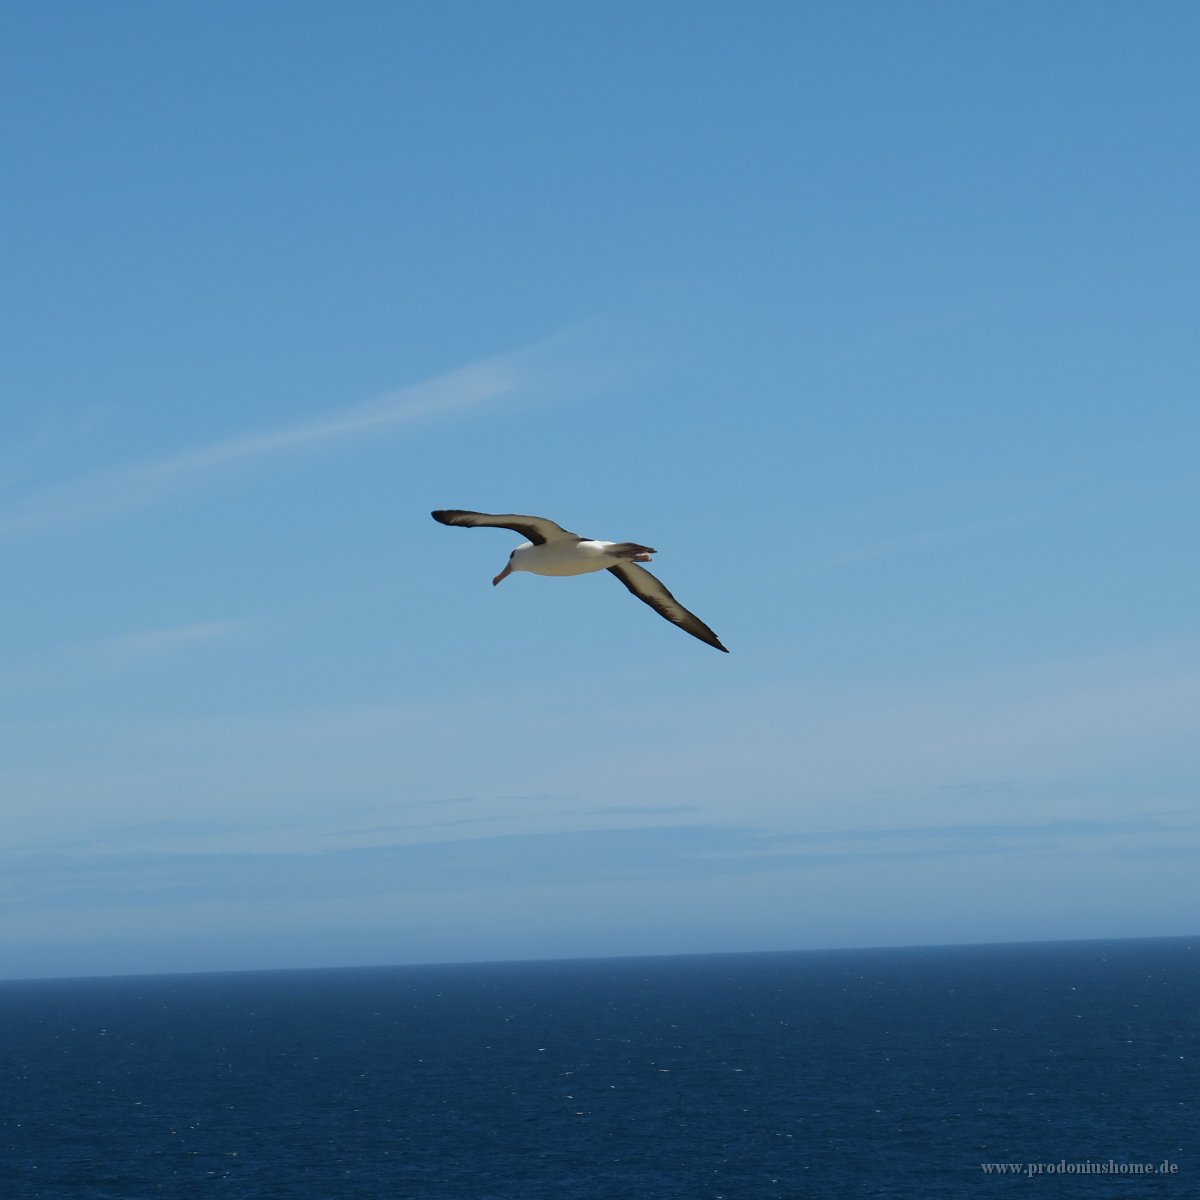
{"x":514,"y":562}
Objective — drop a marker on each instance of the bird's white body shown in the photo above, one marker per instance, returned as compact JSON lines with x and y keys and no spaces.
{"x":567,"y":558}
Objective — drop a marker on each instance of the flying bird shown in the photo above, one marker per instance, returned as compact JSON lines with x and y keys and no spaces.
{"x":553,"y":550}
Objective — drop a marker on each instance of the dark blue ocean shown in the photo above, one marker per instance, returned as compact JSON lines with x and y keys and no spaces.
{"x":890,"y":1073}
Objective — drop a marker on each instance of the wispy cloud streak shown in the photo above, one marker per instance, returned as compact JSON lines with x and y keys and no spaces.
{"x":147,"y":643}
{"x":920,"y":541}
{"x":108,"y":493}
{"x":118,"y":652}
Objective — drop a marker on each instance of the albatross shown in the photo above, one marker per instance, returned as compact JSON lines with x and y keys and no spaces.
{"x":553,"y":550}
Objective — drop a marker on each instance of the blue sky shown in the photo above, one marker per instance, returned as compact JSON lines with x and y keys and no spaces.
{"x":878,"y":320}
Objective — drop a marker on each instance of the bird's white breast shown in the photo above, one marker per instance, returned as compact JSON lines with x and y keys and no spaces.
{"x":563,"y":558}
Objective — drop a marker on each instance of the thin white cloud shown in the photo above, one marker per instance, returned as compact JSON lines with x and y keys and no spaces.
{"x":115,"y":652}
{"x":148,"y":643}
{"x":109,"y":493}
{"x":931,"y":539}
{"x":920,"y":541}
{"x":23,"y":453}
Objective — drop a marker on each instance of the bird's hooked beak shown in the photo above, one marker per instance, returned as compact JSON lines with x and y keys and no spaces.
{"x":503,"y":574}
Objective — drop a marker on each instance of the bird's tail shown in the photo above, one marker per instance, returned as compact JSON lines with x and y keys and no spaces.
{"x":632,"y":552}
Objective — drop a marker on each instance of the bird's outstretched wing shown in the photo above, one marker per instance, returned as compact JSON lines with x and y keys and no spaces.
{"x":648,"y":589}
{"x":537,"y":529}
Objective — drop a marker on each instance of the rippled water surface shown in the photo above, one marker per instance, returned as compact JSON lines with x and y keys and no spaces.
{"x":890,"y":1073}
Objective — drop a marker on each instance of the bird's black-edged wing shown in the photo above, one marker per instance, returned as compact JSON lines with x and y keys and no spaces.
{"x":537,"y":529}
{"x":649,"y":590}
